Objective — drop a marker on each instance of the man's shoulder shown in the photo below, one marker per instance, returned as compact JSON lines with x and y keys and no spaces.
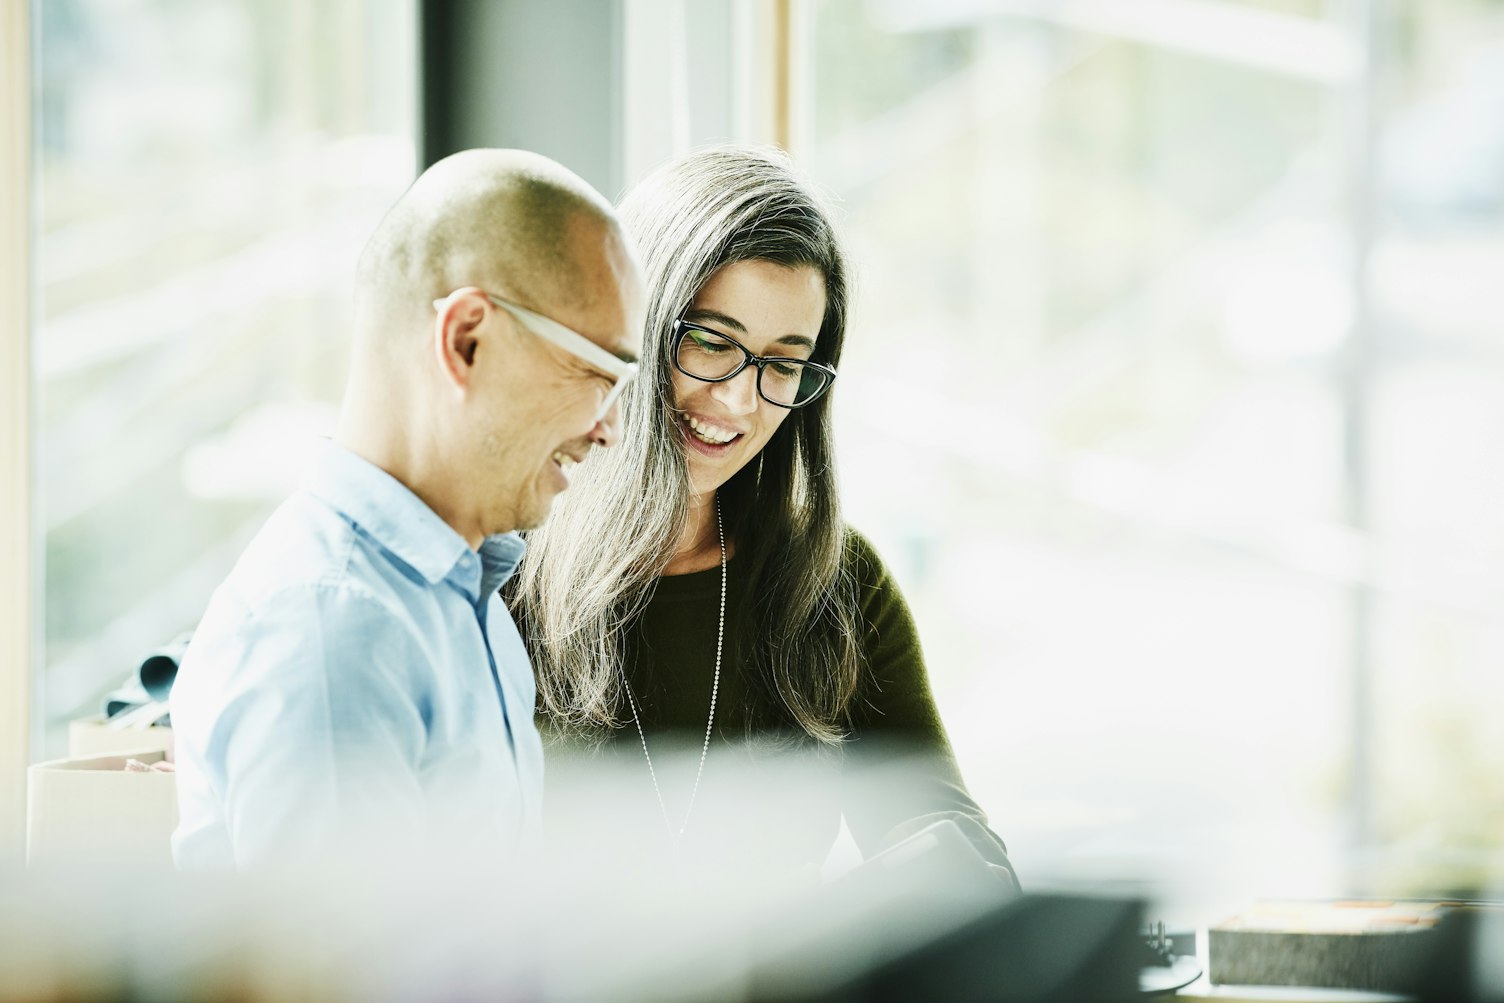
{"x":307,"y":588}
{"x":304,"y":551}
{"x":303,"y":540}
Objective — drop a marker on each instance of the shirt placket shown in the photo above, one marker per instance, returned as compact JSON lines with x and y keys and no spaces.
{"x":479,"y":599}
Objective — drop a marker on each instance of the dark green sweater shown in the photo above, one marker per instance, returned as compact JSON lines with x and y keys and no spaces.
{"x":894,"y":773}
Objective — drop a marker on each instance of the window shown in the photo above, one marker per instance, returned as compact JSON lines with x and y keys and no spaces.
{"x":1201,"y":518}
{"x":1198,"y":516}
{"x":207,"y":174}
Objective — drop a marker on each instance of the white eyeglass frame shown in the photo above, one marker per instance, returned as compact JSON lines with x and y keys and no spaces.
{"x":571,"y":341}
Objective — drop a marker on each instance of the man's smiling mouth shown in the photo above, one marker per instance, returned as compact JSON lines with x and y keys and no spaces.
{"x":566,"y":462}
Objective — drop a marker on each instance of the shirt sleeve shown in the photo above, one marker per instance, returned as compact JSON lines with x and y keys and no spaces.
{"x":899,"y":773}
{"x":316,"y":744}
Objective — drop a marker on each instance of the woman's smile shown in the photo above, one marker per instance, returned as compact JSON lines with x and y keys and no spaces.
{"x":706,"y":439}
{"x":709,"y":431}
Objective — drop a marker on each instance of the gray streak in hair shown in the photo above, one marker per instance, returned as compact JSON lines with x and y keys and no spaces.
{"x":590,"y":570}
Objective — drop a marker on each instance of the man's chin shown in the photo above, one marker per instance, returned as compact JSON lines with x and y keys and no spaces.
{"x":535,"y":516}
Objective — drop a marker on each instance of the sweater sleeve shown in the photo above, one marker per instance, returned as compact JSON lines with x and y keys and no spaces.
{"x":899,"y":772}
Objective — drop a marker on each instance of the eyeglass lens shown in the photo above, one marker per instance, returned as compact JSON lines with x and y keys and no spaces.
{"x":788,"y":382}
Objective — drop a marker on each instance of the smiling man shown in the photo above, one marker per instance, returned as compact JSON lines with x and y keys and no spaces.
{"x":356,"y":686}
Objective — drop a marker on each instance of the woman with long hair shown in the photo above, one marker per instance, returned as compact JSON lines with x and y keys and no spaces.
{"x":696,"y":585}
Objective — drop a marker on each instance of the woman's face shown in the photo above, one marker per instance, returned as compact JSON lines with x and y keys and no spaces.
{"x":770,"y":309}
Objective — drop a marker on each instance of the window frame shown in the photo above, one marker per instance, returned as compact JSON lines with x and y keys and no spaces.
{"x":17,"y":548}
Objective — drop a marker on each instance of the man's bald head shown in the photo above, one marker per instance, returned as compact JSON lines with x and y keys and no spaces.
{"x":512,"y":222}
{"x":479,"y":410}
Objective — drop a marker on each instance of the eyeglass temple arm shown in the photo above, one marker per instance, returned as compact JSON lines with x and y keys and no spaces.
{"x":570,"y":341}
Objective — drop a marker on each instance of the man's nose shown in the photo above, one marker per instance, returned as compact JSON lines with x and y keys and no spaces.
{"x":738,"y":394}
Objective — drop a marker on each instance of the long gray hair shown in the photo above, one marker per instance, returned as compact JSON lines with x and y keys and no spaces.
{"x":591,"y":569}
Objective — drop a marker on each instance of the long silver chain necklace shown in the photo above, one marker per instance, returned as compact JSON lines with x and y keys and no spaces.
{"x":715,"y":687}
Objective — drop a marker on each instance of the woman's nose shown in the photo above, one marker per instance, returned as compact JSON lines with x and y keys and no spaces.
{"x":738,"y":394}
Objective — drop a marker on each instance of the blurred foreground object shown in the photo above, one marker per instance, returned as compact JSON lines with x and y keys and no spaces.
{"x":1466,"y":964}
{"x":1036,"y":949}
{"x":931,"y":918}
{"x":1376,"y":945}
{"x":926,"y":920}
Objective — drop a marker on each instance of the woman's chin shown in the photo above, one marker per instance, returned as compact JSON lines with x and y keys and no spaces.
{"x":710,"y":464}
{"x":706,"y":476}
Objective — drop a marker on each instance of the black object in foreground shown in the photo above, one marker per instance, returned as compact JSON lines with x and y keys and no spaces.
{"x":929,"y":919}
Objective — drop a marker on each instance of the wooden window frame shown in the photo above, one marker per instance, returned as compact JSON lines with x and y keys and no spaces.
{"x":17,"y":546}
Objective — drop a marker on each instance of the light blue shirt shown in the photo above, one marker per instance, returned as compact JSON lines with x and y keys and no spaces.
{"x":356,"y":678}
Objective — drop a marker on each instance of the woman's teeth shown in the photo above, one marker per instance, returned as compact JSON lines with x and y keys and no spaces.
{"x":565,"y":461}
{"x":706,"y":432}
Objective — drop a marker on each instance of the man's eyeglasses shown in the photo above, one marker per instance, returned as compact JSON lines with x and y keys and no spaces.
{"x":573,"y":342}
{"x":714,"y":357}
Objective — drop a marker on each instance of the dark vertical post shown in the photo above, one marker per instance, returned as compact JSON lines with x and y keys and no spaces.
{"x":543,"y":75}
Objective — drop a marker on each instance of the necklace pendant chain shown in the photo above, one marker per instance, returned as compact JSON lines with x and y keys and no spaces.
{"x":715,"y":688}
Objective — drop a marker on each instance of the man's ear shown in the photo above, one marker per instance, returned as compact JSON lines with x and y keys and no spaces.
{"x":456,"y":335}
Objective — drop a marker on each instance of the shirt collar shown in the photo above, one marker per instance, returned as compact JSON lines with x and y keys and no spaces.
{"x":499,"y":557}
{"x":385,"y":509}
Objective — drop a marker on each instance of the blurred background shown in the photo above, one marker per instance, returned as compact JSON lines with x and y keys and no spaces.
{"x":1174,"y":393}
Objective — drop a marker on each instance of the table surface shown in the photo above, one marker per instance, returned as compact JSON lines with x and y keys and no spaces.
{"x":1203,"y":989}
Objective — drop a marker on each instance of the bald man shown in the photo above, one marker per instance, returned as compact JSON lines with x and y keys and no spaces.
{"x":355,"y":686}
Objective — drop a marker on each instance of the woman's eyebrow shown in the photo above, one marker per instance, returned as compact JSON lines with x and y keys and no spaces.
{"x":698,"y":316}
{"x":718,"y":317}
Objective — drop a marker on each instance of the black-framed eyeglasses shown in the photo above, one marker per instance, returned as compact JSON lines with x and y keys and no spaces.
{"x":714,"y":357}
